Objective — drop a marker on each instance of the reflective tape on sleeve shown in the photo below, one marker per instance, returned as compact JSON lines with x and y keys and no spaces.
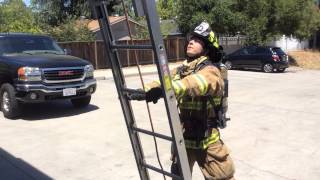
{"x":179,"y":88}
{"x":202,"y":83}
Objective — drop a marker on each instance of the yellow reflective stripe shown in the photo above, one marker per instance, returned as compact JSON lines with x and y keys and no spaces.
{"x":214,"y":137}
{"x":210,"y":140}
{"x":193,"y":105}
{"x":216,"y":44}
{"x":177,"y":88}
{"x":203,"y":84}
{"x":217,"y":100}
{"x":176,"y":77}
{"x":213,"y":39}
{"x":191,"y":144}
{"x":182,"y":87}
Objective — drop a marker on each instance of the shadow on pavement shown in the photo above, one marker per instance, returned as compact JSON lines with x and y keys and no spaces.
{"x":53,"y":109}
{"x":12,"y":168}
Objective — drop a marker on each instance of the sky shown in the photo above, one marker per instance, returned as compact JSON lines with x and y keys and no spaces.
{"x":27,"y":2}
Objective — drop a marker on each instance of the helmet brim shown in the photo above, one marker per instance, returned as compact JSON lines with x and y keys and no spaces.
{"x":198,"y":36}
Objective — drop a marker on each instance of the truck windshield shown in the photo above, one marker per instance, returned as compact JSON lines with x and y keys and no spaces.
{"x":28,"y":45}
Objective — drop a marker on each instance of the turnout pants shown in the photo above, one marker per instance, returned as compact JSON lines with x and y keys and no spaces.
{"x":215,"y":162}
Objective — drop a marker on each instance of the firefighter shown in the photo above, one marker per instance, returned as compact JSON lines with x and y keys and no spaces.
{"x":199,"y":86}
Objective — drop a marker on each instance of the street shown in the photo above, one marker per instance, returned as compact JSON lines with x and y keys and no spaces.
{"x":273,"y":133}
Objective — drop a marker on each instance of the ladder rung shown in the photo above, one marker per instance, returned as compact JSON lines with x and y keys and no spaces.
{"x":135,"y":94}
{"x":161,"y":171}
{"x":153,"y":134}
{"x":119,"y":46}
{"x":138,"y":91}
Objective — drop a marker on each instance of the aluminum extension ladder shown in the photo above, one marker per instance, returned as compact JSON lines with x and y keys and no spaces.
{"x":145,"y":8}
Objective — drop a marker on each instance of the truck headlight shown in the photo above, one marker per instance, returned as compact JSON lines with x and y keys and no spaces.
{"x":88,"y":69}
{"x":29,"y":74}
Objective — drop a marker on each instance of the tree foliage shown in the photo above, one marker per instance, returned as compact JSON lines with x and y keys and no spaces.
{"x":60,"y":18}
{"x":72,"y":30}
{"x":259,"y":20}
{"x":16,"y":17}
{"x":56,"y":12}
{"x":166,"y":8}
{"x":64,"y":19}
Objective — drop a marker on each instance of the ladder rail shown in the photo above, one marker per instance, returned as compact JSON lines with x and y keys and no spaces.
{"x":101,"y":11}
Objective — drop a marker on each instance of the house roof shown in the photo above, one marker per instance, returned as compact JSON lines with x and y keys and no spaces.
{"x":93,"y":25}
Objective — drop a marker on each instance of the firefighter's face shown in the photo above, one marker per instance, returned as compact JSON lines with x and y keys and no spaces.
{"x":195,"y":47}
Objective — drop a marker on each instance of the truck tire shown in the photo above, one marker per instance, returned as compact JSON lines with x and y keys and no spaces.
{"x":81,"y":102}
{"x":10,"y":106}
{"x":267,"y":68}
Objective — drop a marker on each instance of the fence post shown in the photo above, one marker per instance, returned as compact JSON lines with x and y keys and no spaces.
{"x":96,"y":54}
{"x":152,"y":53}
{"x":128,"y":54}
{"x":177,"y":49}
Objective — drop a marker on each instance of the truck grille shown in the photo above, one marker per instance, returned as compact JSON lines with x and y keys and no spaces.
{"x":60,"y":75}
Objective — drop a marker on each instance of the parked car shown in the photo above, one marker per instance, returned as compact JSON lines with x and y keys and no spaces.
{"x":266,"y":58}
{"x":33,"y":69}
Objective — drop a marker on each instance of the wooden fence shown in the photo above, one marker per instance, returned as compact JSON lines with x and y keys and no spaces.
{"x":96,"y":54}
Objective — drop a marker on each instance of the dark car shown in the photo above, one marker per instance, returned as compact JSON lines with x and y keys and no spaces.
{"x":33,"y":69}
{"x":265,"y":58}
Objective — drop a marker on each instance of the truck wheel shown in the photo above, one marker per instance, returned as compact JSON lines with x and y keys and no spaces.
{"x":10,"y":106}
{"x":268,"y":68}
{"x":81,"y":102}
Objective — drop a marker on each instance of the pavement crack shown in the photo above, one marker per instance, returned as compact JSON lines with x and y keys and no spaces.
{"x":262,"y":170}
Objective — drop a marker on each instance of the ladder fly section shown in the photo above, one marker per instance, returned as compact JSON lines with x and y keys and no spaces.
{"x":145,"y":8}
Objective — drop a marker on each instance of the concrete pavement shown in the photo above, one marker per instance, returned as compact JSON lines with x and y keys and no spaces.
{"x":273,"y":133}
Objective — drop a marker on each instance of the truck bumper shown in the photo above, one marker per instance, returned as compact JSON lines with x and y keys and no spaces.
{"x":281,"y":65}
{"x":32,"y":93}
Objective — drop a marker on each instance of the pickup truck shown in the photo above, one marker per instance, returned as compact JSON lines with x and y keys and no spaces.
{"x":34,"y":69}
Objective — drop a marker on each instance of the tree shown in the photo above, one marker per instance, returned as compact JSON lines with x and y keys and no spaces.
{"x":259,"y":20}
{"x":72,"y":30}
{"x":56,"y":12}
{"x":61,"y":18}
{"x":166,"y":9}
{"x":16,"y":17}
{"x":217,"y":13}
{"x":300,"y":18}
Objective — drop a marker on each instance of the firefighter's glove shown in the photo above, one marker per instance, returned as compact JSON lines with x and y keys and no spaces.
{"x":154,"y":94}
{"x":139,"y":95}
